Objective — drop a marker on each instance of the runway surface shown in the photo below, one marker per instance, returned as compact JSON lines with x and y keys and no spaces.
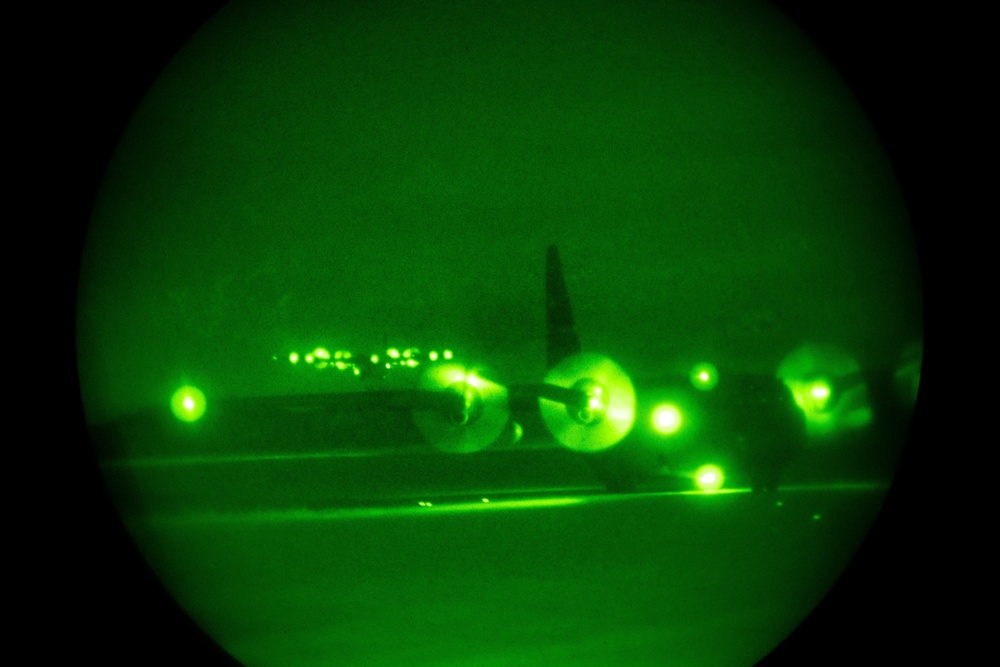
{"x":536,"y":575}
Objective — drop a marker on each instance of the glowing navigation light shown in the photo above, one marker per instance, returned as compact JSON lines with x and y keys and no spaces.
{"x":433,"y":356}
{"x":667,"y":419}
{"x":447,"y":354}
{"x":188,"y":403}
{"x":820,"y":392}
{"x":294,"y":357}
{"x":393,"y":353}
{"x":704,"y":376}
{"x":709,"y":478}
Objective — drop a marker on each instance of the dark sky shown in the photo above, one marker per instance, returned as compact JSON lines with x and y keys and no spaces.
{"x":331,"y":173}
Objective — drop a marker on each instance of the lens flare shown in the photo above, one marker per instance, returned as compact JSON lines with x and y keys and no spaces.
{"x":709,"y":478}
{"x":188,"y":403}
{"x":704,"y":376}
{"x":667,"y":419}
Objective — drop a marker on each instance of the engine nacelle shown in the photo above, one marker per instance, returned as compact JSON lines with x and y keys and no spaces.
{"x":472,"y":414}
{"x":590,"y":405}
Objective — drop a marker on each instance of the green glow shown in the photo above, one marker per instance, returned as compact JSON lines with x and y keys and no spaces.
{"x":353,"y":168}
{"x":478,"y":424}
{"x":321,"y":353}
{"x":294,"y":357}
{"x":581,"y":429}
{"x":518,"y":432}
{"x":818,"y":398}
{"x":188,"y":403}
{"x":810,"y":372}
{"x":709,"y":478}
{"x":820,"y":392}
{"x":704,"y":376}
{"x":667,"y":419}
{"x":393,"y":353}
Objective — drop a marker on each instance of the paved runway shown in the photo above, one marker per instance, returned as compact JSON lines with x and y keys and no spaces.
{"x":570,"y":576}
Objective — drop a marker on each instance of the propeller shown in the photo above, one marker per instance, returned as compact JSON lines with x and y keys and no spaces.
{"x":471,"y":415}
{"x":589,"y":403}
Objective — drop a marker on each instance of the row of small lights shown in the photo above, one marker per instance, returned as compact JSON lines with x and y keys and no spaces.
{"x":344,"y":359}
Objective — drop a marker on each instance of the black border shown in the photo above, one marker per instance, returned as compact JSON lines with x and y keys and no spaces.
{"x":885,"y":607}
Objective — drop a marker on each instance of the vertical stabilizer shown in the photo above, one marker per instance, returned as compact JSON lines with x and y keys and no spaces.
{"x":561,"y":338}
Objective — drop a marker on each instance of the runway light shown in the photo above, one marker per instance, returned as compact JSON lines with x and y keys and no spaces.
{"x":666,"y":419}
{"x":709,"y":478}
{"x":188,"y":404}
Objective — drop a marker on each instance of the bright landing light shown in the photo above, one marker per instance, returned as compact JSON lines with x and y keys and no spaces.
{"x":188,"y":403}
{"x":709,"y":478}
{"x":666,"y":419}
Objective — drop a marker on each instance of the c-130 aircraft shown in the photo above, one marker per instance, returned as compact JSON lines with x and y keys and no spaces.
{"x":692,"y":427}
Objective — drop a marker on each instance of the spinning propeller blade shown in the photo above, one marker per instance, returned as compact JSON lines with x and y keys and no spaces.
{"x":475,"y":417}
{"x":600,"y":410}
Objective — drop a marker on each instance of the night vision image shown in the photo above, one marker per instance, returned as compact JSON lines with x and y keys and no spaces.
{"x":520,"y":333}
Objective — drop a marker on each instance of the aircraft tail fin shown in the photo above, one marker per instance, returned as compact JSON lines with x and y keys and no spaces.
{"x":561,"y":338}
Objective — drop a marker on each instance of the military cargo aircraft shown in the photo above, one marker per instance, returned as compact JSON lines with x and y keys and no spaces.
{"x":707,"y":429}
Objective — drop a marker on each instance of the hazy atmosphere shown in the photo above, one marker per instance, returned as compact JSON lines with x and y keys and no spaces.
{"x":343,"y":173}
{"x":357,"y":175}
